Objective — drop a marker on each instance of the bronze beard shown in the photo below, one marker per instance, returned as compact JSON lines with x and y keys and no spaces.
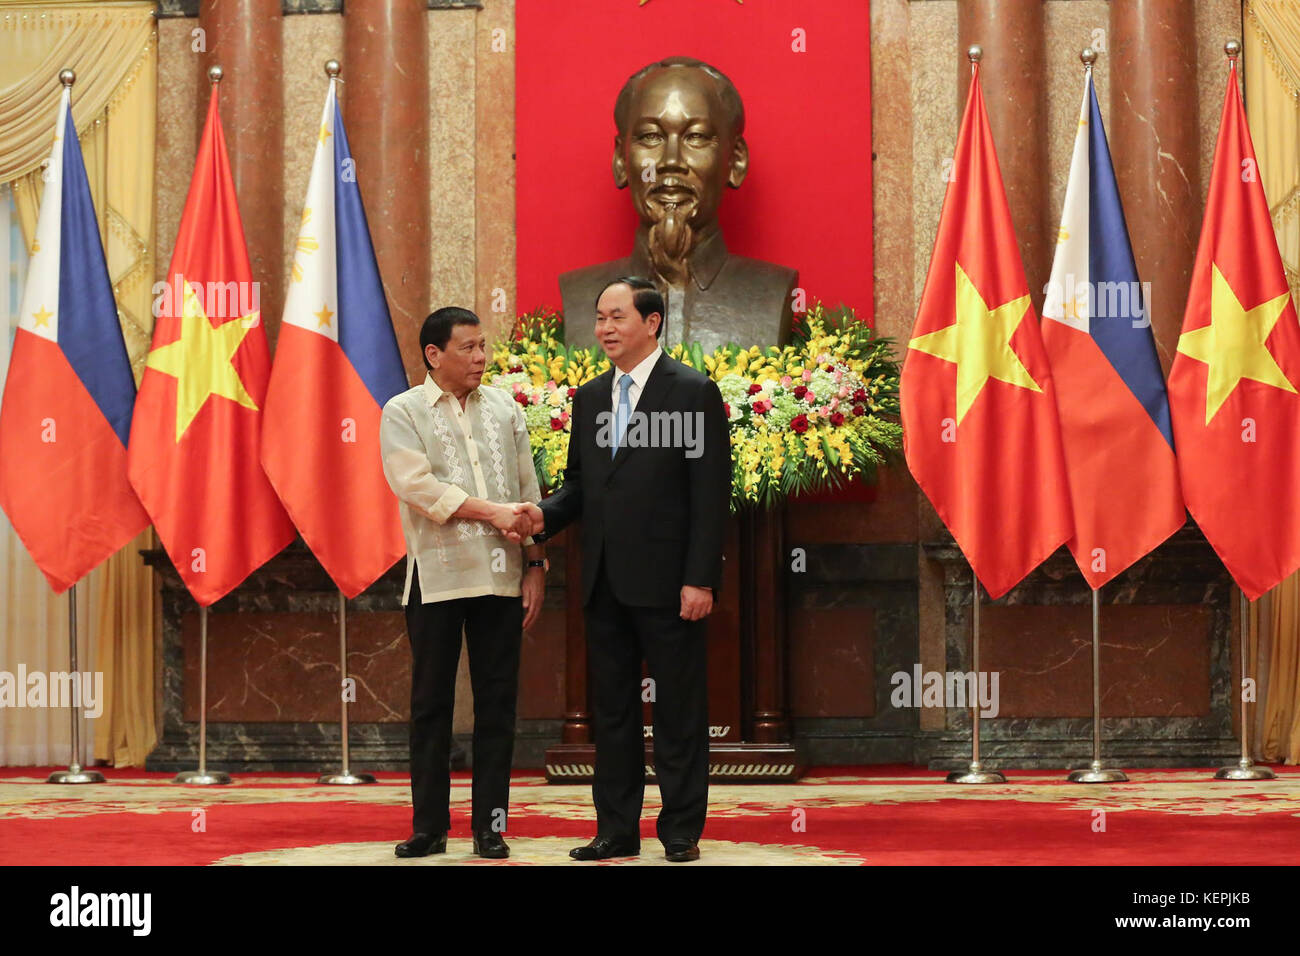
{"x":671,"y":239}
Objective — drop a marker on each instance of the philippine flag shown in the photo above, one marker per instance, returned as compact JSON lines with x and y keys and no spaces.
{"x":68,"y":395}
{"x":1115,"y":424}
{"x":336,"y":364}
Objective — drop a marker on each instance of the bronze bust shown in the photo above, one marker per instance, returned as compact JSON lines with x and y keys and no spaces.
{"x":679,"y":142}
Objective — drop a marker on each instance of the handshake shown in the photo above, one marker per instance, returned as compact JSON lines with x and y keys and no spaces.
{"x":517,"y":521}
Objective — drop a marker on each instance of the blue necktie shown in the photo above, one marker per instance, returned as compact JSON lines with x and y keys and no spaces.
{"x":623,"y":414}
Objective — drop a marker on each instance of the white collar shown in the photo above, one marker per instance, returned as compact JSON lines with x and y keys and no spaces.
{"x":433,"y":391}
{"x":641,"y":372}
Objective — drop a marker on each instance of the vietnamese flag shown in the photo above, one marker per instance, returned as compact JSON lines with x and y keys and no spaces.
{"x":980,"y":428}
{"x":336,"y":364}
{"x":69,"y":390}
{"x":1232,"y":388}
{"x":193,"y":457}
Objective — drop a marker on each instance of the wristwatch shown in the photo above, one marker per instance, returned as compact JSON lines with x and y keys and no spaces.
{"x":543,"y":563}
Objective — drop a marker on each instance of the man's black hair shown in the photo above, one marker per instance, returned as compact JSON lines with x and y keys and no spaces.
{"x":437,"y":327}
{"x":646,"y":297}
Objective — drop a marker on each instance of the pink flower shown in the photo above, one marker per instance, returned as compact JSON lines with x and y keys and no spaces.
{"x":807,"y":375}
{"x":844,"y":391}
{"x":839,"y":374}
{"x":809,"y":396}
{"x":786,"y":380}
{"x":835,"y":403}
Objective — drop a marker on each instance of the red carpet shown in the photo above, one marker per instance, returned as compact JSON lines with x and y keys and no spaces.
{"x":859,"y":816}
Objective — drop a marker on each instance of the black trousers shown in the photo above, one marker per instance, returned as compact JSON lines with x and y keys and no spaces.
{"x":619,"y":636}
{"x":493,"y":629}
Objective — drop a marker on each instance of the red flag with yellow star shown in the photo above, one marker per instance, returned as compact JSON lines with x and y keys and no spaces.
{"x":980,"y":428}
{"x":1232,"y":388}
{"x":193,"y":456}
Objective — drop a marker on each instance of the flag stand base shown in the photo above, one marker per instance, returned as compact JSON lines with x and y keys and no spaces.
{"x":75,"y":774}
{"x":203,"y":778}
{"x":976,"y":774}
{"x":1245,"y":770}
{"x":347,"y":777}
{"x":1096,"y":774}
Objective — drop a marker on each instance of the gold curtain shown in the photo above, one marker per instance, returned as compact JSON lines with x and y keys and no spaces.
{"x":112,"y":47}
{"x":1272,"y":72}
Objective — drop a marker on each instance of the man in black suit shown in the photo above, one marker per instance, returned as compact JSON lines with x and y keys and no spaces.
{"x":649,"y":474}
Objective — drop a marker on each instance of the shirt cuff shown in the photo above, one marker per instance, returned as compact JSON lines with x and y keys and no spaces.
{"x":446,"y":505}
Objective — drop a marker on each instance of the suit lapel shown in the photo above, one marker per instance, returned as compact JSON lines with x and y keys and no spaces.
{"x":599,"y":405}
{"x":652,"y":398}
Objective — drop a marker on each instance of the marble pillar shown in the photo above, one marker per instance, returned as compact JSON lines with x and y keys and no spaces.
{"x":1012,"y":74}
{"x":1155,"y":141}
{"x":385,"y":60}
{"x":244,"y":38}
{"x":494,"y":167}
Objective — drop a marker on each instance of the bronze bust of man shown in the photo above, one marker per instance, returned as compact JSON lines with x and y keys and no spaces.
{"x":679,"y":143}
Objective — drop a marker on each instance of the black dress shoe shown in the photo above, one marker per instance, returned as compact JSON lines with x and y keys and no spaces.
{"x":681,"y":851}
{"x":602,"y":848}
{"x":422,"y":844}
{"x":490,"y":845}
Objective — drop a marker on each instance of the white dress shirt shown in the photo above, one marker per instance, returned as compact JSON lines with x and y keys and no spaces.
{"x":436,"y":455}
{"x":639,"y":376}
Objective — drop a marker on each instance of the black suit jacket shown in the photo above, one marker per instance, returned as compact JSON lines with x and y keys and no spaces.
{"x":655,"y":515}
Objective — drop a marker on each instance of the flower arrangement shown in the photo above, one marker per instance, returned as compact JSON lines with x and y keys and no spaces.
{"x":806,"y":417}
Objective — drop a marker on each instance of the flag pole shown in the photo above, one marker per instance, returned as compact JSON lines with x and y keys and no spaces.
{"x":975,"y":773}
{"x":1096,"y":773}
{"x":1245,"y":768}
{"x":75,"y":773}
{"x":344,"y":776}
{"x":203,"y":776}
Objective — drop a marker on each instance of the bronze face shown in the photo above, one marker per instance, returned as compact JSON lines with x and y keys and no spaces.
{"x":677,"y":154}
{"x":679,"y":144}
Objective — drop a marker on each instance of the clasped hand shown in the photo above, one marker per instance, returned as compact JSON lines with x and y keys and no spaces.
{"x":518,"y":521}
